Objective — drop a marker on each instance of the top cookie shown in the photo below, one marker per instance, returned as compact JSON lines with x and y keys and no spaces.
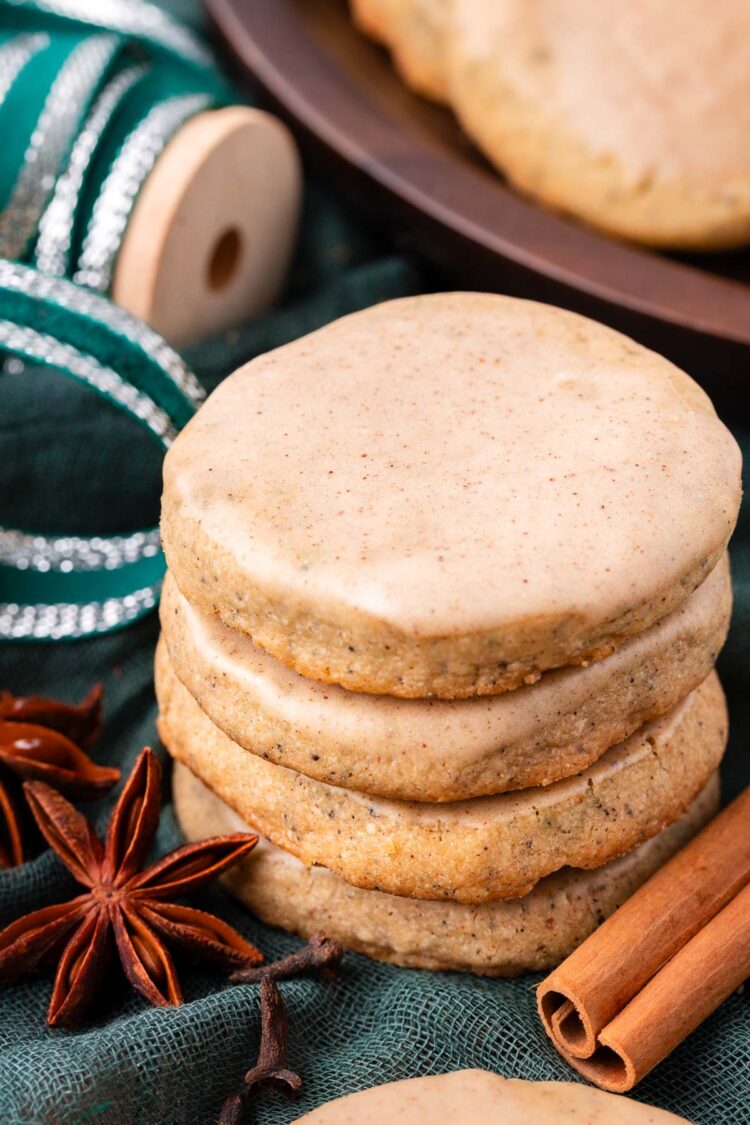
{"x":446,"y":495}
{"x":466,"y":1097}
{"x":639,"y":124}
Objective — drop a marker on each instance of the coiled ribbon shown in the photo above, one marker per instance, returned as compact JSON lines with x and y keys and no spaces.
{"x":91,"y":91}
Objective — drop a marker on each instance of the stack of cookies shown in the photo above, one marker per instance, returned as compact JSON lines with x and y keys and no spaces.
{"x":630,"y":118}
{"x":448,"y":579}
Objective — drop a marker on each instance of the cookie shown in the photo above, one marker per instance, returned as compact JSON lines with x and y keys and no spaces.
{"x":467,"y":1097}
{"x":533,"y":933}
{"x":415,"y":31}
{"x":439,"y":750}
{"x":470,"y":1097}
{"x":447,"y":495}
{"x":637,"y":125}
{"x":469,"y":851}
{"x":372,"y":17}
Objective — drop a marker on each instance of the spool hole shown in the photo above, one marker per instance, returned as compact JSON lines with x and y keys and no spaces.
{"x":225,"y":259}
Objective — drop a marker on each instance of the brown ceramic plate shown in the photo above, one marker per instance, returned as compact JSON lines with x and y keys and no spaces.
{"x":406,"y":165}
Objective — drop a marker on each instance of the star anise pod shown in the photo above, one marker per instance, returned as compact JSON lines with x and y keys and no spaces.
{"x":44,"y":740}
{"x":124,"y":907}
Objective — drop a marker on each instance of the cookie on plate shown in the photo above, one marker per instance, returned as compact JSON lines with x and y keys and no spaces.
{"x":468,"y":851}
{"x":448,"y":495}
{"x":415,"y":31}
{"x":505,"y":938}
{"x":638,"y":124}
{"x":443,"y":750}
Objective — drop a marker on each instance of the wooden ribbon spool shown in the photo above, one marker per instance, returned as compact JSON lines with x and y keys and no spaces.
{"x":212,"y":230}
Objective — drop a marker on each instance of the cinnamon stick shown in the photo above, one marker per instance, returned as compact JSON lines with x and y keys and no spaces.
{"x":583,"y":1003}
{"x":680,"y":997}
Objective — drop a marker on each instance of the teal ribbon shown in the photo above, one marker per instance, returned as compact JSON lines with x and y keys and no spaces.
{"x":90,"y":93}
{"x":135,"y":19}
{"x":63,"y":587}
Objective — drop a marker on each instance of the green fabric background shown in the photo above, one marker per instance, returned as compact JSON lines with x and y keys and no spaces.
{"x":134,"y":1065}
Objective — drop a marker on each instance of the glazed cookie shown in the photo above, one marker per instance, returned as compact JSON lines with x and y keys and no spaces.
{"x":415,"y":31}
{"x":440,"y":750}
{"x":468,"y":1097}
{"x":372,"y":17}
{"x":533,"y":933}
{"x":469,"y":851}
{"x":636,"y":124}
{"x":447,"y":495}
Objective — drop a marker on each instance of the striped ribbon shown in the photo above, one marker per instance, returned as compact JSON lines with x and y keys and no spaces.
{"x":91,"y":91}
{"x":58,"y":587}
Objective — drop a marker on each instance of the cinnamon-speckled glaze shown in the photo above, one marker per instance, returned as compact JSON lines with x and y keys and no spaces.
{"x":447,"y":495}
{"x":472,"y":851}
{"x":638,"y":122}
{"x":444,"y":750}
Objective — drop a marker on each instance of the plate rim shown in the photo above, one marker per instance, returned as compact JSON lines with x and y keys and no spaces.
{"x":632,"y":282}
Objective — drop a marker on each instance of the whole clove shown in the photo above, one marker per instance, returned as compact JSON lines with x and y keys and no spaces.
{"x":271,"y":1068}
{"x":321,"y":954}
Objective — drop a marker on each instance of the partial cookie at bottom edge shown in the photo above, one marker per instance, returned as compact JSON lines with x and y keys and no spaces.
{"x":505,"y":938}
{"x":465,"y":1097}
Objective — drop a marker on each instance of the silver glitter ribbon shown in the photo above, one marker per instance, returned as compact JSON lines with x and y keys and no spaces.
{"x":22,"y":279}
{"x":75,"y":552}
{"x":39,"y":347}
{"x":128,"y":17}
{"x":15,"y":54}
{"x":43,"y":206}
{"x":52,"y":137}
{"x":68,"y":621}
{"x":53,"y":246}
{"x":136,"y":159}
{"x":64,"y":554}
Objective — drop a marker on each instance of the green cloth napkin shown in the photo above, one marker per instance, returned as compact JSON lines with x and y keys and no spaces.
{"x":68,"y":463}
